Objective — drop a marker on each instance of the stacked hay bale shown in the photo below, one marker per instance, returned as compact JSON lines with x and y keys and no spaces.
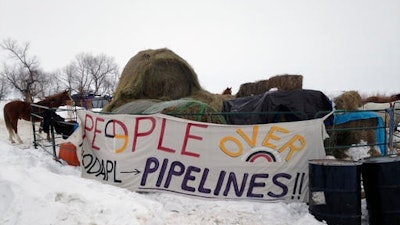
{"x":354,"y":131}
{"x":283,"y":82}
{"x":286,"y":82}
{"x":157,"y":76}
{"x":248,"y":89}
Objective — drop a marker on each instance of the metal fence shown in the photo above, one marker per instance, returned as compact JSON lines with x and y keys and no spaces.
{"x":47,"y":141}
{"x":337,"y":144}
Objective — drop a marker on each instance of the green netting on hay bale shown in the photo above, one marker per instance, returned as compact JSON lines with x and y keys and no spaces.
{"x":136,"y":106}
{"x":187,"y":109}
{"x":155,"y":74}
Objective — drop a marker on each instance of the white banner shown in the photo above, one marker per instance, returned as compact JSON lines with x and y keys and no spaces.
{"x":267,"y":162}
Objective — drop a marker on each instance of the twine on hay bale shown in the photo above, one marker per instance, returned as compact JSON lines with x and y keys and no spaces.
{"x":285,"y":82}
{"x":155,"y":74}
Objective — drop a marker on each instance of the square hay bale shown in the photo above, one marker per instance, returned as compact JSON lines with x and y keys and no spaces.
{"x":286,"y":82}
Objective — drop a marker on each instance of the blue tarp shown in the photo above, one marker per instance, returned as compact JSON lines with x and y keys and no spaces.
{"x":380,"y":130}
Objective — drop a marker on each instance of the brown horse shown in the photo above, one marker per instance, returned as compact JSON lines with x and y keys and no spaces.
{"x":15,"y":110}
{"x":382,"y":99}
{"x":227,"y":91}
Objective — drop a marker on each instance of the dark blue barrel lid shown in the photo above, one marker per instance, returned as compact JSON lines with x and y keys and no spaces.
{"x":383,"y":159}
{"x":334,"y":162}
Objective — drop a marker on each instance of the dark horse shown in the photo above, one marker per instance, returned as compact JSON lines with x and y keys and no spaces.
{"x":15,"y":110}
{"x":227,"y":91}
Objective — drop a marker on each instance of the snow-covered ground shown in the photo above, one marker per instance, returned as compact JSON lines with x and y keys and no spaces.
{"x":34,"y":189}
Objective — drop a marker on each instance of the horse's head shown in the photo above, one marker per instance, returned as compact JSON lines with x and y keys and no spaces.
{"x":66,"y":95}
{"x":227,"y":91}
{"x":394,"y":98}
{"x":57,"y":100}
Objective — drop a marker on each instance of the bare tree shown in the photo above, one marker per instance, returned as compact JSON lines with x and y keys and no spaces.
{"x":88,"y":73}
{"x":103,"y":71}
{"x":23,"y":73}
{"x":3,"y":87}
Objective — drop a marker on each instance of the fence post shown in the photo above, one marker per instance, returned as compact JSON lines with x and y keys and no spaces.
{"x":52,"y":135}
{"x":390,"y":112}
{"x":35,"y":145}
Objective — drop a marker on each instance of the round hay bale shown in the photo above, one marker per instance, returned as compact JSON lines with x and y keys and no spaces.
{"x":189,"y":109}
{"x":350,"y":101}
{"x":286,"y":82}
{"x":155,"y":74}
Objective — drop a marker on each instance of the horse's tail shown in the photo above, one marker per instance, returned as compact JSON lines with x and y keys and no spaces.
{"x":9,"y":125}
{"x":7,"y":120}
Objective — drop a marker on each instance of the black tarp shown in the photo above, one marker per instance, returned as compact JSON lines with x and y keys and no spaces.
{"x":278,"y":106}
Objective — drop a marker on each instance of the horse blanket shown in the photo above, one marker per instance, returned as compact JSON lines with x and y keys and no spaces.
{"x":60,"y":126}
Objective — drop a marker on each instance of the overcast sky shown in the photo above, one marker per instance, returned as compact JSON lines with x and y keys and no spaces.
{"x":337,"y":45}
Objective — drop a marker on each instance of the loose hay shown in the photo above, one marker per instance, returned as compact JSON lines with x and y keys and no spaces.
{"x":350,"y":101}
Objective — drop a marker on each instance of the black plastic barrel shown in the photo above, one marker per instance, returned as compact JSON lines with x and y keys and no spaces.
{"x":335,"y":191}
{"x":381,"y":181}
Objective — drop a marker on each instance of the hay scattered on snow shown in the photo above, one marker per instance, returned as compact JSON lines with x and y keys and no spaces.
{"x":155,"y":74}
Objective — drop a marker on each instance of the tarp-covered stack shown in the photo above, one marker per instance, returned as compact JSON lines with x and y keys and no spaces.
{"x":278,"y":106}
